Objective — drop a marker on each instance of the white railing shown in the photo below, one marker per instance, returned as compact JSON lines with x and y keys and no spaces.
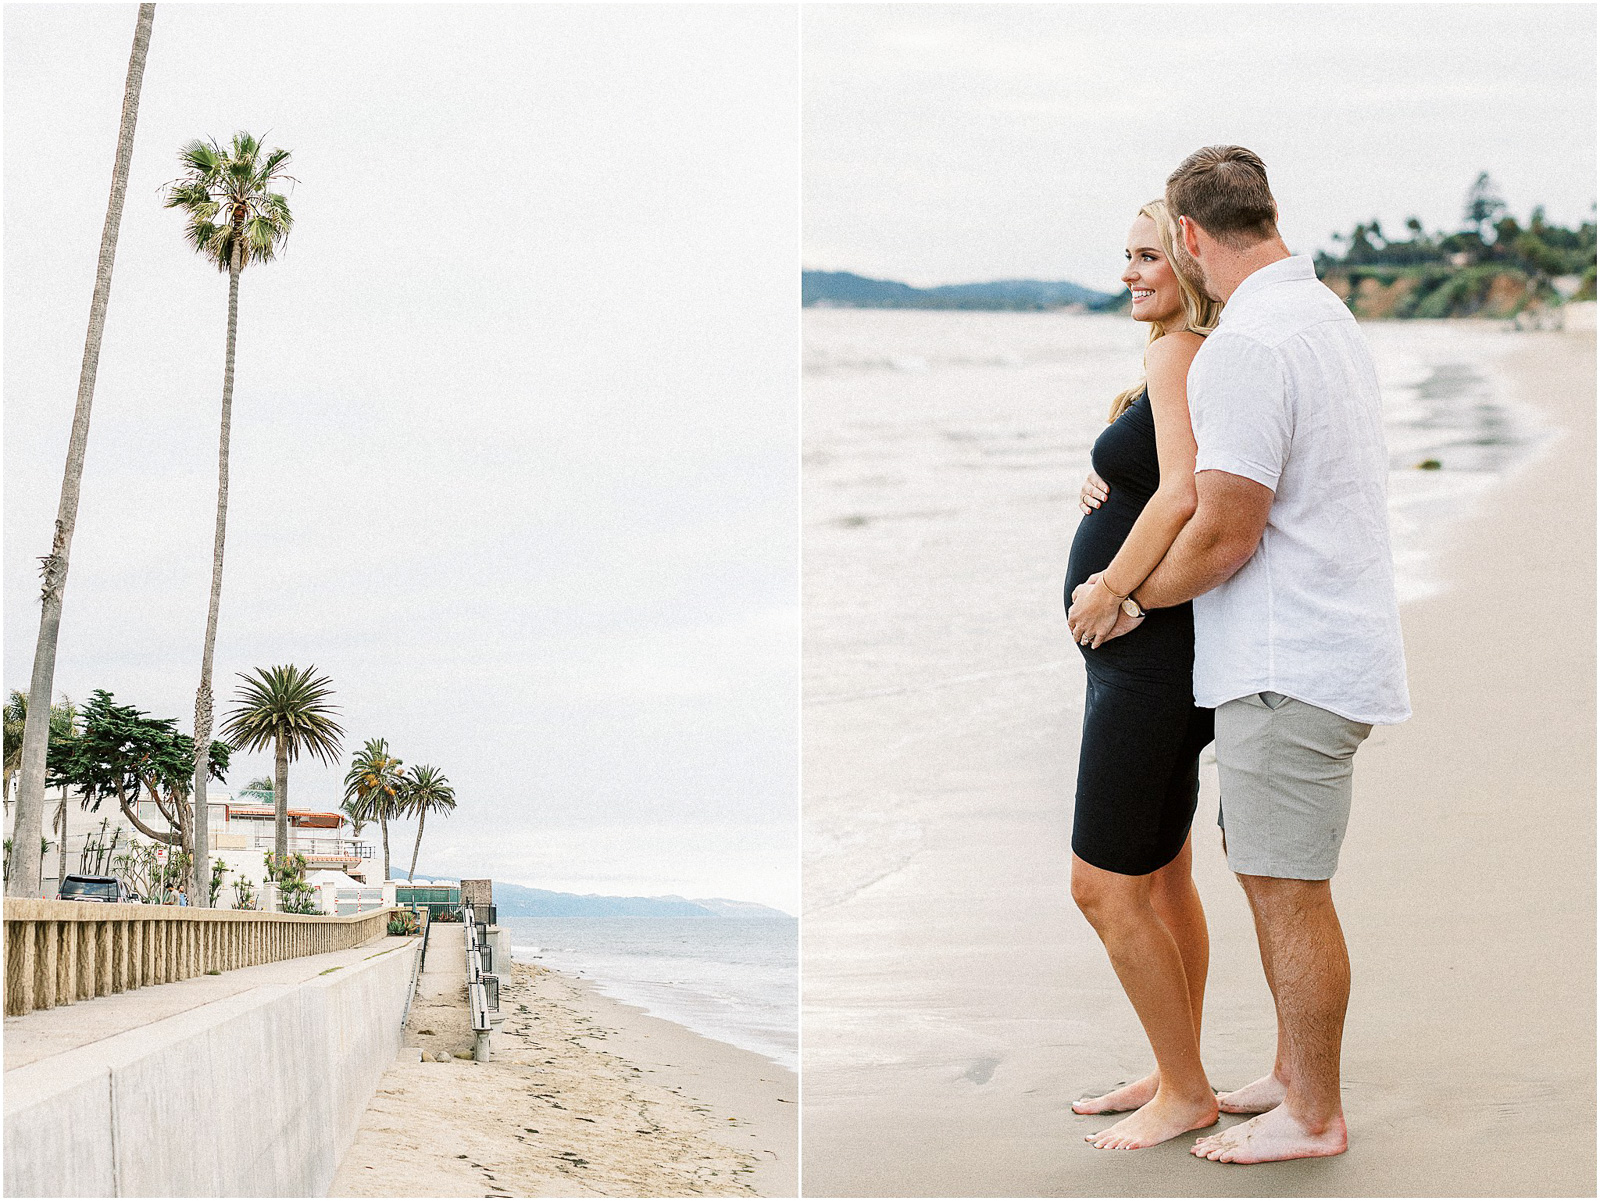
{"x":345,"y":847}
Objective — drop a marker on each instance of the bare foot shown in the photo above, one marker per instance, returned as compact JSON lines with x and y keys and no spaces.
{"x":1273,"y":1136}
{"x":1163,"y":1118}
{"x":1120,"y":1100}
{"x":1256,"y":1097}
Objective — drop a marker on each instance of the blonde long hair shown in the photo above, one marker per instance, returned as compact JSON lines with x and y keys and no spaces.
{"x":1200,"y":312}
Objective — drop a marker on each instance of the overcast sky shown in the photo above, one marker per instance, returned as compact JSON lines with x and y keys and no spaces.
{"x":514,"y":423}
{"x":955,"y":143}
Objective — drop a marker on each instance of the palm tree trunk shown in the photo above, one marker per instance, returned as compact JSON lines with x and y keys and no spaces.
{"x":422,"y":818}
{"x":383,"y":824}
{"x":280,"y":800}
{"x":202,"y":699}
{"x":61,"y":847}
{"x":25,"y":871}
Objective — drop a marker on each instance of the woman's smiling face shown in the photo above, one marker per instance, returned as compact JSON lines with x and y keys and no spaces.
{"x":1149,"y":275}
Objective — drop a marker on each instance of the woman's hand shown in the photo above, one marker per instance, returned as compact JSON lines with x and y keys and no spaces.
{"x":1094,"y":612}
{"x":1093,"y":493}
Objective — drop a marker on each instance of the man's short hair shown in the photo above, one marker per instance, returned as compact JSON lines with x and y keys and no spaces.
{"x":1223,"y":189}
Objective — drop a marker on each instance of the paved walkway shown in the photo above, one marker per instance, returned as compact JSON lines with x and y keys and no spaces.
{"x":46,"y":1032}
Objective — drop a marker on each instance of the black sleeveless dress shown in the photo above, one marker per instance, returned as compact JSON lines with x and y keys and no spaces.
{"x":1138,"y":771}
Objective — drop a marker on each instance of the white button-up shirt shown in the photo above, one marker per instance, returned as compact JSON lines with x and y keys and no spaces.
{"x":1284,"y":392}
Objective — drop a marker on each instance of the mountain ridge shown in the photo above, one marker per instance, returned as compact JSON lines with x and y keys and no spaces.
{"x":518,"y":900}
{"x":846,"y":289}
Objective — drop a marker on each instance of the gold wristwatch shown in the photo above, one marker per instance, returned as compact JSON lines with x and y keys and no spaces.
{"x":1131,"y":607}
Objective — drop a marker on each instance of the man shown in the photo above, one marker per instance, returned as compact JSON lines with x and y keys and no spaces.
{"x":1297,"y":628}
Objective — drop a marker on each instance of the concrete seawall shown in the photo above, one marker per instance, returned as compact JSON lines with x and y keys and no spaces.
{"x":254,"y":1094}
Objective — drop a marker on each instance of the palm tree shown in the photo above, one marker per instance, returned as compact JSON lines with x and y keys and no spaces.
{"x":356,"y":813}
{"x":374,"y":782}
{"x":63,"y":720}
{"x":24,"y":879}
{"x":235,"y":184}
{"x":425,"y":791}
{"x":287,"y":709}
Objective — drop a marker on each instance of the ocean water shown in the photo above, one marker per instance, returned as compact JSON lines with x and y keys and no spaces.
{"x":734,"y":980}
{"x":943,"y":453}
{"x":1050,"y":377}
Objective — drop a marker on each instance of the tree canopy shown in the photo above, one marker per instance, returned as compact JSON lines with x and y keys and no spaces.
{"x":120,"y":751}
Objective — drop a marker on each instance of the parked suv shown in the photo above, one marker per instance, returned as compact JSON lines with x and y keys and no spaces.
{"x":107,"y":890}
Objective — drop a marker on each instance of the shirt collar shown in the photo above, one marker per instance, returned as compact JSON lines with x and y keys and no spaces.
{"x":1296,"y":266}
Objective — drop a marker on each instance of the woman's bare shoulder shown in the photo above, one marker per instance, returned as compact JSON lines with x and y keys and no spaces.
{"x":1175,"y":349}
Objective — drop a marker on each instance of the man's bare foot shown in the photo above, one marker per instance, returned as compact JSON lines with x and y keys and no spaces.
{"x":1256,"y":1097}
{"x":1120,"y":1100}
{"x":1163,"y":1118}
{"x":1270,"y":1137}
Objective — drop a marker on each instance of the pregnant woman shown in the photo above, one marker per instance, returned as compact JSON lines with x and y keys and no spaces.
{"x":1142,"y":733}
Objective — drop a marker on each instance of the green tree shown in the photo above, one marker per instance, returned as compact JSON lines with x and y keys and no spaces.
{"x":235,"y":219}
{"x":287,"y":709}
{"x":118,"y":751}
{"x":261,"y":786}
{"x":374,"y":782}
{"x":25,"y":878}
{"x":425,"y":791}
{"x":1483,"y":203}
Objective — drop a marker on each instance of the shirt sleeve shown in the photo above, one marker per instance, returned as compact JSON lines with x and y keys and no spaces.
{"x":1239,"y":405}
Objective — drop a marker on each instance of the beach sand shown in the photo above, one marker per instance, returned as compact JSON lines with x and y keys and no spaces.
{"x":957,"y":1004}
{"x":584,"y":1096}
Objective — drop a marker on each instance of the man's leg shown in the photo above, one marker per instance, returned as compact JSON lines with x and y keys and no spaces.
{"x":1285,"y":768}
{"x":1176,"y":902}
{"x":1308,"y":970}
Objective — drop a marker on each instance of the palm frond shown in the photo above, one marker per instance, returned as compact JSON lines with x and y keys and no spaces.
{"x":232,"y":184}
{"x":201,"y":157}
{"x":287,"y":703}
{"x":193,"y":195}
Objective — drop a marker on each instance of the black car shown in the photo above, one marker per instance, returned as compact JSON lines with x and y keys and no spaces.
{"x":107,"y":890}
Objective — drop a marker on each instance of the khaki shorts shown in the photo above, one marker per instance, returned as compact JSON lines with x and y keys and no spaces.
{"x":1285,"y":768}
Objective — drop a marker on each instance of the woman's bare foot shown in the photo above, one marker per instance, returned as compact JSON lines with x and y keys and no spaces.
{"x":1120,"y":1100}
{"x":1256,"y":1097}
{"x":1163,"y":1118}
{"x":1273,"y":1136}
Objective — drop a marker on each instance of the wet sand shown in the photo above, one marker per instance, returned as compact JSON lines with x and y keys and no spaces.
{"x":584,"y":1096}
{"x":956,"y":1003}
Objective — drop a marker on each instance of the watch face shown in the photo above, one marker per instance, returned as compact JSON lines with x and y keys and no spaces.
{"x":1131,"y":608}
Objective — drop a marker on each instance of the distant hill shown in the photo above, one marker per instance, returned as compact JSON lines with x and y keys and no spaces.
{"x":845,"y":290}
{"x":515,"y":900}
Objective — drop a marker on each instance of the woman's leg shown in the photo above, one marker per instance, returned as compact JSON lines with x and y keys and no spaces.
{"x":1147,"y":961}
{"x":1177,"y":903}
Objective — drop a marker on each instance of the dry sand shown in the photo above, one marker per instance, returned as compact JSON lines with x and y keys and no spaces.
{"x":958,"y":1005}
{"x":584,"y":1096}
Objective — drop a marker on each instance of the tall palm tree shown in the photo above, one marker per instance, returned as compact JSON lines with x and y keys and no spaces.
{"x":24,"y":879}
{"x":234,"y":184}
{"x":287,"y":709}
{"x":375,"y":783}
{"x":426,"y":791}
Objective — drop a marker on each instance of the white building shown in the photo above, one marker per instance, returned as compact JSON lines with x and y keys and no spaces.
{"x":240,"y":831}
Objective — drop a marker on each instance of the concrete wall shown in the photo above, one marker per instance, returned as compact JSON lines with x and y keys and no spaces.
{"x":499,"y":938}
{"x":257,"y":1095}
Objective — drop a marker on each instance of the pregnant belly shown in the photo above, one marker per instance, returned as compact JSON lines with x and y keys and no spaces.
{"x":1100,"y":536}
{"x":1161,"y":647}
